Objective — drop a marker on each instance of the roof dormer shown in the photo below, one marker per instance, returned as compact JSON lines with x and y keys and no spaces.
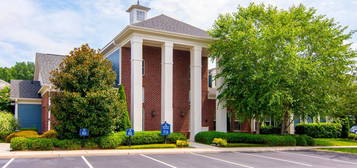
{"x":137,"y":12}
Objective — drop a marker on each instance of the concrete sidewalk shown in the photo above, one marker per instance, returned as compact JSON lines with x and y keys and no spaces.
{"x":195,"y":147}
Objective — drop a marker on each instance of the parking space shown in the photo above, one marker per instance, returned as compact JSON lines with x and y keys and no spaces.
{"x":291,"y":159}
{"x":73,"y":162}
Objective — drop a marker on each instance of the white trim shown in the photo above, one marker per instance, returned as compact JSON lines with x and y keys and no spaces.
{"x":16,"y":110}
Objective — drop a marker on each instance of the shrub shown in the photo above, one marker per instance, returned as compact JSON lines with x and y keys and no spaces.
{"x":270,"y":130}
{"x":271,"y":140}
{"x":19,"y":143}
{"x":112,"y":141}
{"x":319,"y":130}
{"x":147,"y":137}
{"x":122,"y":122}
{"x":150,"y":146}
{"x":25,"y":134}
{"x":173,"y":137}
{"x":345,"y":127}
{"x":182,"y":143}
{"x":40,"y":144}
{"x":68,"y":144}
{"x":207,"y":137}
{"x":3,"y":135}
{"x":49,"y":134}
{"x":219,"y":142}
{"x":89,"y":143}
{"x":352,"y":136}
{"x":28,"y":129}
{"x":7,"y":122}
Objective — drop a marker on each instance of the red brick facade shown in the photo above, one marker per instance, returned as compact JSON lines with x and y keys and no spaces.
{"x":181,"y":88}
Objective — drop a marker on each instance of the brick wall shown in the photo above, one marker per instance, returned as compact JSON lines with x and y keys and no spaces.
{"x":125,"y":73}
{"x":152,"y":88}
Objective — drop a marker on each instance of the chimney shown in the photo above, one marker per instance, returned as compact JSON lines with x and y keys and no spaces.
{"x":137,"y":12}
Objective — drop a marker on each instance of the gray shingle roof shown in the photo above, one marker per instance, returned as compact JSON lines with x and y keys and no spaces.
{"x":24,"y":89}
{"x":45,"y":64}
{"x":165,"y":23}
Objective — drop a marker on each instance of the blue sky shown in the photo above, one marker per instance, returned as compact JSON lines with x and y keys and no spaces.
{"x":57,"y":26}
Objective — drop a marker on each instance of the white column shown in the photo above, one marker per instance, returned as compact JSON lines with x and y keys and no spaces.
{"x":16,"y":110}
{"x":221,"y":111}
{"x":166,"y":83}
{"x":136,"y":83}
{"x":195,"y":91}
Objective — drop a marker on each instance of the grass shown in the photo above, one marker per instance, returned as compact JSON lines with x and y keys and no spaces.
{"x":335,"y":142}
{"x":345,"y":150}
{"x":149,"y":146}
{"x":245,"y":145}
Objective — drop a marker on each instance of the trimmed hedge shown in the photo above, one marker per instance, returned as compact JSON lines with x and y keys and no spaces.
{"x":319,"y":130}
{"x":270,"y":130}
{"x":207,"y":137}
{"x":150,"y":146}
{"x":112,"y":141}
{"x":21,"y":143}
{"x":49,"y":134}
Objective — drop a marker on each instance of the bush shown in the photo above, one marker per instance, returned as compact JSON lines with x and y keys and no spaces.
{"x":40,"y":144}
{"x":68,"y":144}
{"x":147,"y":137}
{"x":151,"y":146}
{"x":352,"y":136}
{"x":25,"y":134}
{"x":182,"y":143}
{"x":19,"y":143}
{"x":7,"y":122}
{"x":219,"y":142}
{"x":173,"y":137}
{"x":345,"y":127}
{"x":270,"y":130}
{"x":28,"y":129}
{"x":207,"y":137}
{"x":319,"y":130}
{"x":89,"y":143}
{"x":49,"y":134}
{"x":112,"y":141}
{"x":3,"y":135}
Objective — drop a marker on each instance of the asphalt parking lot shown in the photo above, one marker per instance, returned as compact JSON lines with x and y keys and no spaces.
{"x":291,"y":159}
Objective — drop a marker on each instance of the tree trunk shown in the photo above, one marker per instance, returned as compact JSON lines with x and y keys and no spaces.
{"x":285,"y":122}
{"x":257,"y":129}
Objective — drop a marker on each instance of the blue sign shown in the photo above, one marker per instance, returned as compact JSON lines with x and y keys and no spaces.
{"x":130,"y":132}
{"x":83,"y":132}
{"x":165,"y":129}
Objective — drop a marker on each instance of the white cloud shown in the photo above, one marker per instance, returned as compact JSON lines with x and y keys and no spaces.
{"x":29,"y":26}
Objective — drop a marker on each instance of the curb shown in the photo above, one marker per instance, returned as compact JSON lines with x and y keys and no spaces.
{"x":75,"y":153}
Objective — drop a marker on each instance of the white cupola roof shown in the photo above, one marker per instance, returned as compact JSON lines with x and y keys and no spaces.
{"x":137,"y":12}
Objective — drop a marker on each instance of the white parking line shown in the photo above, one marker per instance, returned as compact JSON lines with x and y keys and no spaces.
{"x":336,"y":160}
{"x":86,"y":161}
{"x":226,"y":161}
{"x":8,"y":163}
{"x":289,"y":161}
{"x":158,"y":161}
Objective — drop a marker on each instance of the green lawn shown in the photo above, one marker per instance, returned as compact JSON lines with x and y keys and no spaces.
{"x":346,"y":150}
{"x":245,"y":145}
{"x":149,"y":146}
{"x":334,"y":142}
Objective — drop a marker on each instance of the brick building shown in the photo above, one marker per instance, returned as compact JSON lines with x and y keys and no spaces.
{"x":163,"y":65}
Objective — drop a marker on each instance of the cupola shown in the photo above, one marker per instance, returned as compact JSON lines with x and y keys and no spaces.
{"x":137,"y":12}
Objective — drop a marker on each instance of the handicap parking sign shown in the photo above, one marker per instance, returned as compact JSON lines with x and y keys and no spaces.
{"x":83,"y":132}
{"x":130,"y":132}
{"x":165,"y":129}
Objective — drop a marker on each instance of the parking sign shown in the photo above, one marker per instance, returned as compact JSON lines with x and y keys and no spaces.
{"x":165,"y":129}
{"x":130,"y":132}
{"x":83,"y":132}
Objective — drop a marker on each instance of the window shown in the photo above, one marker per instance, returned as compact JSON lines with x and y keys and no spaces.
{"x":140,"y":15}
{"x":236,"y":125}
{"x":115,"y":58}
{"x":210,"y":80}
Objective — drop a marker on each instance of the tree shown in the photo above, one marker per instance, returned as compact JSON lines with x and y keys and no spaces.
{"x":280,"y":62}
{"x":5,"y":103}
{"x":20,"y":71}
{"x":86,"y":98}
{"x":123,"y":120}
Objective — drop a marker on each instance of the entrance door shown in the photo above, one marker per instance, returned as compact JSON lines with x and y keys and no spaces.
{"x":29,"y":116}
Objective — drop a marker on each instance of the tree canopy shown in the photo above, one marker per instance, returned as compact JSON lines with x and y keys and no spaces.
{"x":5,"y":102}
{"x":281,"y":62}
{"x":86,"y":98}
{"x":20,"y":71}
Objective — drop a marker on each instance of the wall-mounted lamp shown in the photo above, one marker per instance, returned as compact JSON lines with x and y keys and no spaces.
{"x":153,"y":113}
{"x":182,"y":113}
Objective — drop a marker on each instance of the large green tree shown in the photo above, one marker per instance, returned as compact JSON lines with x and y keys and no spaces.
{"x":280,"y":62}
{"x":5,"y":102}
{"x":20,"y":71}
{"x":86,"y":98}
